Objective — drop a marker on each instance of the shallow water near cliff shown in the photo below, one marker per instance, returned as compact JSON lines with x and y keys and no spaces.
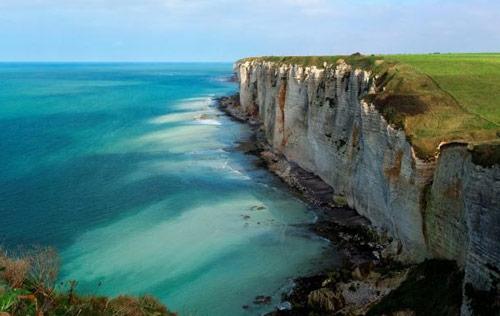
{"x":130,"y":171}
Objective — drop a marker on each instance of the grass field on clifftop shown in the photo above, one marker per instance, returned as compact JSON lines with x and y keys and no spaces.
{"x":442,"y":97}
{"x":435,"y":98}
{"x":472,"y":79}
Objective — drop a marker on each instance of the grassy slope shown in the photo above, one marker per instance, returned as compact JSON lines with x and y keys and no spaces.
{"x":435,"y":98}
{"x":472,"y":79}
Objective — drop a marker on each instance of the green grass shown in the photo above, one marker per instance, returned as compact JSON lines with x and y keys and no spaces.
{"x":435,"y":97}
{"x":472,"y":79}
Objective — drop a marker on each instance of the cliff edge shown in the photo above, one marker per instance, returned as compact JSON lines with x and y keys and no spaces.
{"x":364,"y":126}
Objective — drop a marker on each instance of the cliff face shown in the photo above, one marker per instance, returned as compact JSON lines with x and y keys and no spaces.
{"x":447,"y":208}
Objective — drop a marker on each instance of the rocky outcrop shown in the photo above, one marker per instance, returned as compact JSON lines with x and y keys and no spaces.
{"x":318,"y":119}
{"x":325,"y":300}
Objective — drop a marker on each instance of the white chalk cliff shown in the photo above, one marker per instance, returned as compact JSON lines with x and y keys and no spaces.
{"x":316,"y":117}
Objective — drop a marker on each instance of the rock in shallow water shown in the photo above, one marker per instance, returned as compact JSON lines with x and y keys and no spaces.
{"x":284,"y":306}
{"x":262,"y":300}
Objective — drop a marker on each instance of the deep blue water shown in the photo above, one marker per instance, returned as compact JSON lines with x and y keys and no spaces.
{"x":130,"y":172}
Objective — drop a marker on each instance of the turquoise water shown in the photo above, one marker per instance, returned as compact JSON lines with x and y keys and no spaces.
{"x":130,"y":171}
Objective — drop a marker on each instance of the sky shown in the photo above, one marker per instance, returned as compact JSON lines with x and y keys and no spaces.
{"x":226,"y":30}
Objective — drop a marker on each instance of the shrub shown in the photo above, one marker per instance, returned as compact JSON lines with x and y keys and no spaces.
{"x":29,"y":289}
{"x":44,"y":268}
{"x":13,"y":271}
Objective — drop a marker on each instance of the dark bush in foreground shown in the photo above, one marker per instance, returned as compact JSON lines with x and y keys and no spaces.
{"x":434,"y":287}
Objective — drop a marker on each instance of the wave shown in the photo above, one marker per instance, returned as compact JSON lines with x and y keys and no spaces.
{"x":208,"y":122}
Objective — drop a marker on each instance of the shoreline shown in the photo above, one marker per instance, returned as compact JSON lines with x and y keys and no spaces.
{"x":368,"y":257}
{"x":309,"y":187}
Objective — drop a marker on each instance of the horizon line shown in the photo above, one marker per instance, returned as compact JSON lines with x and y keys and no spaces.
{"x":233,"y":61}
{"x":111,"y":61}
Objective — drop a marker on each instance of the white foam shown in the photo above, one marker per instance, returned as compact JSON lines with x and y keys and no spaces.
{"x":191,"y":109}
{"x":179,"y":139}
{"x":172,"y":118}
{"x":208,"y":122}
{"x":195,"y":104}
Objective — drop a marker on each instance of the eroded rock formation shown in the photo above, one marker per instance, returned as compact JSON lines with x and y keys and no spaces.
{"x":318,"y":118}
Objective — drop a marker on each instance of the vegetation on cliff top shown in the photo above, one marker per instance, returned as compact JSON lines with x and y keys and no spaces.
{"x":28,"y":287}
{"x":435,"y":97}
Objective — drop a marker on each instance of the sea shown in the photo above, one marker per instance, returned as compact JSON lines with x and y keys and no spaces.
{"x":132,"y":173}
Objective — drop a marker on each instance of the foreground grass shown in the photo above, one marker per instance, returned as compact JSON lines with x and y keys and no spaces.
{"x":27,"y":287}
{"x":434,"y":98}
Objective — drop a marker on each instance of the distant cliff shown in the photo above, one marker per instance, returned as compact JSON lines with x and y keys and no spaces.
{"x":325,"y":120}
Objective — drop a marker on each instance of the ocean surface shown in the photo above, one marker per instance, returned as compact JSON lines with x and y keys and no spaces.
{"x":131,"y":172}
